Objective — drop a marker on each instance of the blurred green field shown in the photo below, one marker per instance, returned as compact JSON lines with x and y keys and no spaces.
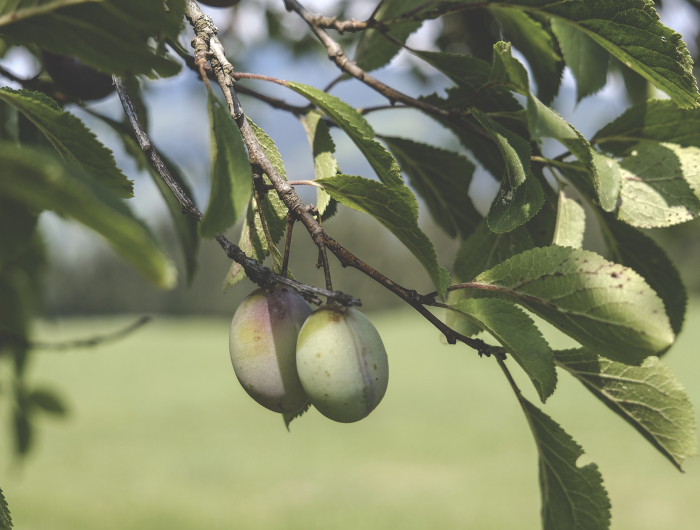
{"x":161,"y":436}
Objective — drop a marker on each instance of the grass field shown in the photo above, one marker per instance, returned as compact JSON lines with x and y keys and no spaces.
{"x":161,"y":436}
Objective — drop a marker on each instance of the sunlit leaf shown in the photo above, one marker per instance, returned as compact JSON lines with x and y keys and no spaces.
{"x":606,"y":307}
{"x":648,"y":397}
{"x":571,"y":223}
{"x":322,"y":148}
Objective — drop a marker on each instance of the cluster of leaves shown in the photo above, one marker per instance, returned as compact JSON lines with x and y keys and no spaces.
{"x":637,"y":172}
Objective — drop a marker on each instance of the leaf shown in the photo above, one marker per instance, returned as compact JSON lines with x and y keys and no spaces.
{"x":630,"y":30}
{"x":537,"y":45}
{"x":373,"y":49}
{"x":660,"y":185}
{"x":519,"y":335}
{"x":572,"y":497}
{"x":274,"y":209}
{"x":485,"y":249}
{"x":110,"y":35}
{"x":607,"y":180}
{"x":252,"y":242}
{"x":508,"y":71}
{"x":232,"y":177}
{"x":632,"y":248}
{"x":17,"y":224}
{"x":5,"y":517}
{"x":482,"y":250}
{"x":34,"y":177}
{"x":511,"y":208}
{"x":48,"y":402}
{"x":288,"y":417}
{"x":70,"y":137}
{"x":587,"y":59}
{"x":442,"y":178}
{"x":656,"y":120}
{"x":606,"y":307}
{"x":515,"y":149}
{"x":571,"y":223}
{"x":465,"y":70}
{"x":357,"y":128}
{"x":396,"y":208}
{"x":648,"y":397}
{"x":322,"y":147}
{"x":24,"y":432}
{"x":186,"y":226}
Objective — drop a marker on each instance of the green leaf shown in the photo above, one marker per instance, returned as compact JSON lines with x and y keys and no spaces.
{"x":288,"y":417}
{"x":110,"y":35}
{"x":396,"y":208}
{"x":186,"y":226}
{"x":274,"y":210}
{"x":357,"y":128}
{"x":36,"y":178}
{"x":630,"y":30}
{"x":632,"y":248}
{"x":515,"y":149}
{"x":572,"y":497}
{"x":322,"y":147}
{"x":571,"y":223}
{"x":5,"y":517}
{"x":587,"y":59}
{"x":648,"y":397}
{"x":519,"y":335}
{"x":442,"y":178}
{"x":660,"y":185}
{"x":511,"y":208}
{"x":508,"y":71}
{"x":606,"y":307}
{"x":373,"y":49}
{"x":607,"y":180}
{"x":70,"y":137}
{"x":17,"y":224}
{"x":655,"y":120}
{"x":537,"y":45}
{"x":48,"y":402}
{"x":485,"y":249}
{"x":464,"y":70}
{"x":482,"y":250}
{"x":232,"y":177}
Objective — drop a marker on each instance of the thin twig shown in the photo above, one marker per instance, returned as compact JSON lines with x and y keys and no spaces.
{"x":255,"y":271}
{"x":287,"y":244}
{"x":81,"y":343}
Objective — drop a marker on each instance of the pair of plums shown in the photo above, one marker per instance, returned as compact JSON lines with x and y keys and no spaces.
{"x":285,"y":355}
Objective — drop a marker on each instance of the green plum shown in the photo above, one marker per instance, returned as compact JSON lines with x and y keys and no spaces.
{"x":262,"y":343}
{"x":342,"y":363}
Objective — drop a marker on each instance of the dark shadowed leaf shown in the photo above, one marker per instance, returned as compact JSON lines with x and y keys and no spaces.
{"x":48,"y":402}
{"x":5,"y":517}
{"x":442,"y":178}
{"x":606,"y":307}
{"x":289,"y":417}
{"x":232,"y":177}
{"x":37,"y":178}
{"x":657,"y":120}
{"x":572,"y":497}
{"x":70,"y":137}
{"x":396,"y":208}
{"x":374,"y":50}
{"x":519,"y":335}
{"x":648,"y":397}
{"x":110,"y":35}
{"x":587,"y":59}
{"x":537,"y":45}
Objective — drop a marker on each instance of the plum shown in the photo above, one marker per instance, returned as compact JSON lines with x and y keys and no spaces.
{"x":342,"y":363}
{"x":219,"y":3}
{"x":262,"y":343}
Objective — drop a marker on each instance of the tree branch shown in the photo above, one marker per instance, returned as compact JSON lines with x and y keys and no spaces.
{"x":205,"y":30}
{"x":255,"y":271}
